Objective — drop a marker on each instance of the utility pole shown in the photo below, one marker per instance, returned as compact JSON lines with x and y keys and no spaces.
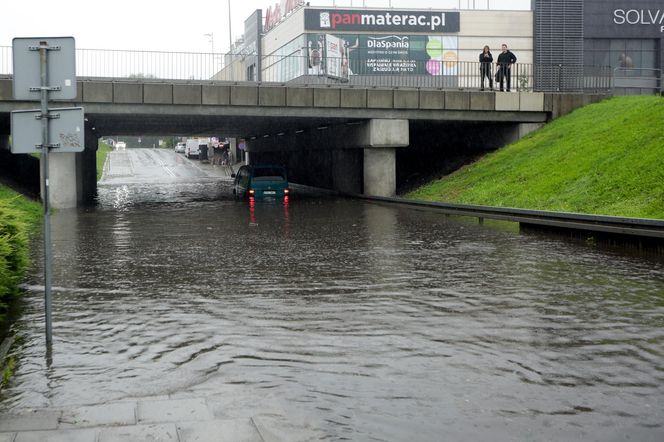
{"x":230,"y":33}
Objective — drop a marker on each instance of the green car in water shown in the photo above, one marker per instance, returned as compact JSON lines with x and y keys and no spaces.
{"x":261,"y":181}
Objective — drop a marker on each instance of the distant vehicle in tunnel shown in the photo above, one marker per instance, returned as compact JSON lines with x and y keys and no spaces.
{"x":260,"y":181}
{"x":120,"y":145}
{"x":191,"y":148}
{"x":180,"y":147}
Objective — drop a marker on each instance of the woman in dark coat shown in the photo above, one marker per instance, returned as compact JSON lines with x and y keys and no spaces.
{"x":485,"y":66}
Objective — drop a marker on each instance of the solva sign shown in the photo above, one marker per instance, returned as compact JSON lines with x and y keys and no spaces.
{"x":648,"y":17}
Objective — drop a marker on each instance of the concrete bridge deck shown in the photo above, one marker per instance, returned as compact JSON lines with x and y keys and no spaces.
{"x":349,"y":134}
{"x":251,"y":109}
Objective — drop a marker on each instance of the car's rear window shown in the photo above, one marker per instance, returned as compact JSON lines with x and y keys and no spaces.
{"x":271,"y":173}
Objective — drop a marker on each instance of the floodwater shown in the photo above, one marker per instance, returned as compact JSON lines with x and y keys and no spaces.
{"x":364,"y":321}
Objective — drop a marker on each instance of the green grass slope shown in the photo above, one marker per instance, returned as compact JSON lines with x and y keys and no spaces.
{"x":606,"y":158}
{"x":102,"y":153}
{"x":19,"y":218}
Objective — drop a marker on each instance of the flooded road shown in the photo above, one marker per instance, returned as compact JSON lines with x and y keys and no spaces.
{"x":365,"y":321}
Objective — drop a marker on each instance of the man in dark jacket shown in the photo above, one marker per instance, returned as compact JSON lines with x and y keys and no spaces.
{"x":505,"y":61}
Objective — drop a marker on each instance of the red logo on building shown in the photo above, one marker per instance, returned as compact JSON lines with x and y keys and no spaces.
{"x":279,"y":11}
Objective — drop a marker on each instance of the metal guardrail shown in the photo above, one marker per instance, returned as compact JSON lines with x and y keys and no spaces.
{"x":109,"y":63}
{"x":636,"y":227}
{"x":296,"y":68}
{"x":638,"y":79}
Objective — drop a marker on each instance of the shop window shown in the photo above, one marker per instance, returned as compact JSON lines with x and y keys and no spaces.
{"x":640,"y":55}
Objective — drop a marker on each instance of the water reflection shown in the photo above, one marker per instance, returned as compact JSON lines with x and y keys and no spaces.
{"x":369,"y":322}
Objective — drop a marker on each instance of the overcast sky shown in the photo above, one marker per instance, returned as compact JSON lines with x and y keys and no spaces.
{"x":167,"y":26}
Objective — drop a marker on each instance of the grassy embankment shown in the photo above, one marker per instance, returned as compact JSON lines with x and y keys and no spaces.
{"x":606,"y":158}
{"x":102,"y":153}
{"x":19,"y":219}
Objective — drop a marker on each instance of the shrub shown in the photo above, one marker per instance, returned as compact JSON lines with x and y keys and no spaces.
{"x":13,"y":252}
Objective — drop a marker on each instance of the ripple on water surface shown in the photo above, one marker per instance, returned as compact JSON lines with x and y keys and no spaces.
{"x":371,"y":322}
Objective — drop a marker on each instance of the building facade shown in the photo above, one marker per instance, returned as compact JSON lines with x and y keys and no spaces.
{"x":627,"y":36}
{"x":375,"y":46}
{"x":560,"y":45}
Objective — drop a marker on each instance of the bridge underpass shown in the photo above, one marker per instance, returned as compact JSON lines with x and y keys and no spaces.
{"x":354,"y":140}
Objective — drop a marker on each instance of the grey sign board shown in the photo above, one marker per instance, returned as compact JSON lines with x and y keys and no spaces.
{"x":61,"y":68}
{"x":67,"y":130}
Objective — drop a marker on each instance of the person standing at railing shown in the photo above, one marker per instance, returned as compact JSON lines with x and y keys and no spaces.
{"x":505,"y":61}
{"x":486,"y":59}
{"x":625,"y":61}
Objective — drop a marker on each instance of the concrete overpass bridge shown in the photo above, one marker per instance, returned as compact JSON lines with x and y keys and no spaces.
{"x":338,"y":137}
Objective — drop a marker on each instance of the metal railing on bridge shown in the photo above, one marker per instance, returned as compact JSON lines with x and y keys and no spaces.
{"x":299,"y":69}
{"x":629,"y":81}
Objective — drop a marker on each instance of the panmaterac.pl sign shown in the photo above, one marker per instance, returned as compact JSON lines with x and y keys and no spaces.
{"x":381,"y":21}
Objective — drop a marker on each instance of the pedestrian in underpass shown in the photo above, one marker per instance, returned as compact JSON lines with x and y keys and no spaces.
{"x":216,"y":159}
{"x":225,"y":155}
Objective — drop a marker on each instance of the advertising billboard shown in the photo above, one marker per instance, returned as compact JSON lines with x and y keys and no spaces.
{"x":343,"y":55}
{"x":371,"y":20}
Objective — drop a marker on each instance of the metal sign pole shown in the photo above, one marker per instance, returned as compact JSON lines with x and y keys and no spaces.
{"x":45,"y":148}
{"x":31,"y":82}
{"x":43,"y":57}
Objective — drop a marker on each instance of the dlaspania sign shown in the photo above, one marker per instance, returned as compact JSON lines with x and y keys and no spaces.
{"x":635,"y":17}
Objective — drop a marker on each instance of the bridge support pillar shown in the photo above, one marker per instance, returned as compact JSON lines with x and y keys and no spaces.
{"x":86,"y":169}
{"x":380,"y":172}
{"x":526,"y":128}
{"x":380,"y":138}
{"x":73,"y":176}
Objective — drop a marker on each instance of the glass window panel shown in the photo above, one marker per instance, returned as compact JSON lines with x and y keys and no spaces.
{"x":633,"y":45}
{"x":617,"y":45}
{"x":615,"y":58}
{"x":602,"y":44}
{"x":649,"y":45}
{"x":602,"y":58}
{"x":649,"y":60}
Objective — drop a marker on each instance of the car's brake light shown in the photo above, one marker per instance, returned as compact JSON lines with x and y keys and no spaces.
{"x":286,"y":191}
{"x":252,"y":191}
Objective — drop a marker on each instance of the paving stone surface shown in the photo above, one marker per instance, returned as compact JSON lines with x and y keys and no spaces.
{"x":7,"y":437}
{"x":152,"y":420}
{"x":119,"y":413}
{"x":142,"y":433}
{"x":174,"y":410}
{"x":275,"y":429}
{"x":78,"y":435}
{"x":227,"y":430}
{"x":32,"y":420}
